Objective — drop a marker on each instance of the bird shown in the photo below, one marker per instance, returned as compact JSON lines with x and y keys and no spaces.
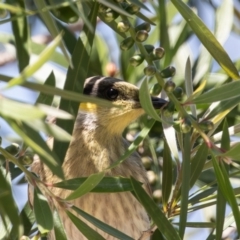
{"x":96,"y":143}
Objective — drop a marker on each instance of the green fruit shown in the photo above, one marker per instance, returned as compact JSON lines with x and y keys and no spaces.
{"x":2,"y":159}
{"x":156,"y":89}
{"x":64,"y":13}
{"x":168,"y":72}
{"x":150,"y":70}
{"x":178,"y":92}
{"x":147,"y":162}
{"x":158,"y":53}
{"x":144,"y":26}
{"x":141,"y":36}
{"x":26,"y":159}
{"x":3,"y":13}
{"x":185,"y":125}
{"x":169,"y":109}
{"x":149,"y":48}
{"x":206,"y":125}
{"x":13,"y":149}
{"x":102,"y":8}
{"x":157,"y":195}
{"x":123,"y":26}
{"x":136,"y":60}
{"x":110,"y":15}
{"x":152,"y":178}
{"x":169,"y":86}
{"x":132,"y":9}
{"x":126,"y":44}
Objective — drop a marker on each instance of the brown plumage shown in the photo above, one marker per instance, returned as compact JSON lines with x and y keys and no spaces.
{"x":96,"y":143}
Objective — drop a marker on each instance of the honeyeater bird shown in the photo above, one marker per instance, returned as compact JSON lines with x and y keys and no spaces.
{"x":96,"y":143}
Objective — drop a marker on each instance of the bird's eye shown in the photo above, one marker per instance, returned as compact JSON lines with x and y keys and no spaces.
{"x":112,"y":94}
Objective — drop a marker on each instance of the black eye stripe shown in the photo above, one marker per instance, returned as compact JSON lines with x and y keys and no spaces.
{"x":112,"y":94}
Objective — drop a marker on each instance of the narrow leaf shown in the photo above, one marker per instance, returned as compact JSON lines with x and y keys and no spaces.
{"x":233,"y":152}
{"x":20,"y":111}
{"x":221,"y":93}
{"x":59,"y":230}
{"x":87,"y":231}
{"x":50,"y":129}
{"x":107,"y":184}
{"x":8,"y":207}
{"x":185,"y":184}
{"x":51,"y":25}
{"x":197,"y":163}
{"x":42,"y":212}
{"x":33,"y":139}
{"x":29,"y":70}
{"x":101,"y":225}
{"x":226,"y":189}
{"x":207,"y":38}
{"x":44,"y":98}
{"x":20,"y":29}
{"x":221,"y":201}
{"x":65,"y":94}
{"x":154,"y":212}
{"x":167,"y":175}
{"x":134,"y":145}
{"x":145,"y":100}
{"x":90,"y":183}
{"x":189,"y":85}
{"x":28,"y":220}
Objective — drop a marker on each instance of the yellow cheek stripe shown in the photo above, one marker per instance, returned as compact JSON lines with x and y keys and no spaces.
{"x":88,"y":107}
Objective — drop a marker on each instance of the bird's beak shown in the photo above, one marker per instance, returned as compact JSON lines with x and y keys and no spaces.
{"x":158,"y":102}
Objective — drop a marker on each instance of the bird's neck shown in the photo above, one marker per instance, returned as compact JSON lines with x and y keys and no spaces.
{"x":93,"y":148}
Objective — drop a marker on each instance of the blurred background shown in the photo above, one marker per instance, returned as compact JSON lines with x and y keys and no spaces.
{"x":222,"y":17}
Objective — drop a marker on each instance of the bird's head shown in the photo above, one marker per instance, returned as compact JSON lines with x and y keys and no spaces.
{"x":125,"y":97}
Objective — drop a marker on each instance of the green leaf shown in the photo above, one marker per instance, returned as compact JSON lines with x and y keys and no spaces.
{"x":132,"y":148}
{"x":224,"y":92}
{"x":233,"y":152}
{"x":59,"y":230}
{"x":44,"y":98}
{"x":101,"y":225}
{"x":15,"y":9}
{"x":29,"y":70}
{"x":226,"y":188}
{"x":221,"y":201}
{"x":199,"y":224}
{"x":8,"y":207}
{"x":207,"y":38}
{"x":107,"y":184}
{"x":87,"y":231}
{"x":49,"y":129}
{"x":197,"y":163}
{"x":28,"y":220}
{"x":144,"y":18}
{"x":140,"y":4}
{"x":185,"y":183}
{"x":42,"y":212}
{"x":54,"y":112}
{"x":167,"y":175}
{"x":51,"y":25}
{"x":75,"y":79}
{"x":90,"y":183}
{"x":189,"y":85}
{"x":33,"y":139}
{"x":145,"y":100}
{"x":69,"y":95}
{"x":222,"y":109}
{"x":154,"y":212}
{"x":20,"y":29}
{"x":20,"y":111}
